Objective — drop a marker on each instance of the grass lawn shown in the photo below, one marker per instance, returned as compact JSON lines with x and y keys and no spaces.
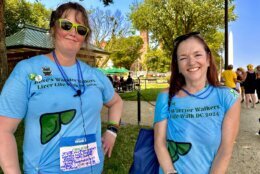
{"x":148,"y":94}
{"x":122,"y":156}
{"x":154,"y":85}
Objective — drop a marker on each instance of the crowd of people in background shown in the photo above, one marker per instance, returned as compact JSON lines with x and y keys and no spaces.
{"x":120,"y":84}
{"x":245,"y":82}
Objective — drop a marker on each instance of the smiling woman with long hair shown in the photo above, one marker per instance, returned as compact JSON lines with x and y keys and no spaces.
{"x":196,"y":120}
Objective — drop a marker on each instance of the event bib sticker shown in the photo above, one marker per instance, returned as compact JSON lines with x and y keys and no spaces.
{"x":78,"y":152}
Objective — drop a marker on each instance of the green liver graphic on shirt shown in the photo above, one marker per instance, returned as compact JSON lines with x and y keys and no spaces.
{"x":177,"y":148}
{"x":51,"y":123}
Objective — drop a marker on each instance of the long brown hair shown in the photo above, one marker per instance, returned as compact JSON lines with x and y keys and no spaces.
{"x":177,"y":80}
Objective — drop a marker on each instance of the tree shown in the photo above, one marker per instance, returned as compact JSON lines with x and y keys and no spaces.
{"x":167,"y":19}
{"x":13,"y":13}
{"x":124,"y":51}
{"x":3,"y":59}
{"x":19,"y":12}
{"x":157,"y":60}
{"x":105,"y":25}
{"x":107,"y":2}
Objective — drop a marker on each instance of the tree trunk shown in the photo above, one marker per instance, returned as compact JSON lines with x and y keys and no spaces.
{"x":3,"y":56}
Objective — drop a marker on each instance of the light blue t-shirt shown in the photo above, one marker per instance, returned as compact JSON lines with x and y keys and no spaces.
{"x":37,"y":93}
{"x":194,"y":127}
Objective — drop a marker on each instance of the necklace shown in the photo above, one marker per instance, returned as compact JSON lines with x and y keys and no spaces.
{"x":199,"y":95}
{"x":66,"y":79}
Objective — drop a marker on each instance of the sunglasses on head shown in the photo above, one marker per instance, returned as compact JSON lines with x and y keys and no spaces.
{"x":184,"y":37}
{"x":67,"y":26}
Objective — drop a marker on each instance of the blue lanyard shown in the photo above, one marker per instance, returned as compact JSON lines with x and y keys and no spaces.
{"x":198,"y":96}
{"x":66,"y":79}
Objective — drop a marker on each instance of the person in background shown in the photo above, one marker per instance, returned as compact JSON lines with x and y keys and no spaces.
{"x":258,"y":83}
{"x":129,"y":83}
{"x":258,"y":91}
{"x":60,"y":99}
{"x":116,"y":83}
{"x":250,"y":86}
{"x":122,"y":84}
{"x":196,"y":120}
{"x":238,"y":87}
{"x":229,"y":77}
{"x":258,"y":133}
{"x":241,"y":74}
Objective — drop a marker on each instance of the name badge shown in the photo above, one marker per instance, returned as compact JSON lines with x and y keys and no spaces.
{"x":78,"y":152}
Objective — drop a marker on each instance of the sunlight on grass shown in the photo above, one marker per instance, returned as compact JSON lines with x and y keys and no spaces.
{"x":148,"y":94}
{"x":154,"y":85}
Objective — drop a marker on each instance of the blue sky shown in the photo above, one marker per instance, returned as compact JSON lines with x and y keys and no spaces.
{"x":246,"y":29}
{"x":246,"y":33}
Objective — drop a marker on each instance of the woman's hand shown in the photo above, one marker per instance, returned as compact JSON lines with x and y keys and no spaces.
{"x":108,"y":141}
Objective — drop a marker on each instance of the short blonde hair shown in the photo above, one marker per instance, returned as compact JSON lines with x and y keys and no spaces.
{"x":250,"y":67}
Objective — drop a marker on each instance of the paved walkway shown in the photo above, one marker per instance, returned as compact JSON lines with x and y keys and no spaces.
{"x":129,"y":115}
{"x":246,"y":155}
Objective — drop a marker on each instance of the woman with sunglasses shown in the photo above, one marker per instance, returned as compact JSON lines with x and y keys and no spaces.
{"x":196,"y":120}
{"x":60,"y":99}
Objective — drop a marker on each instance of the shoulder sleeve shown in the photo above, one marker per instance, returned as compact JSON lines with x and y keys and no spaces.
{"x":14,"y":95}
{"x":228,"y":98}
{"x":161,"y":108}
{"x":107,"y":87}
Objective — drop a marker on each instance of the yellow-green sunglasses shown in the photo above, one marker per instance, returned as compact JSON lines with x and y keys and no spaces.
{"x":67,"y":26}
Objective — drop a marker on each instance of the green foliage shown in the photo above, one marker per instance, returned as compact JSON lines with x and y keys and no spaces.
{"x":124,"y":51}
{"x":167,"y":19}
{"x":19,"y":134}
{"x":157,"y":60}
{"x":19,"y":12}
{"x":40,"y":16}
